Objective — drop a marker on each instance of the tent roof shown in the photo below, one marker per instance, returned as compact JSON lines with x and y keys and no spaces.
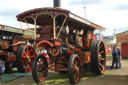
{"x":122,"y":37}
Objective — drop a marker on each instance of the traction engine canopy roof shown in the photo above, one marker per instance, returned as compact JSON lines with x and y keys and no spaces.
{"x":32,"y":15}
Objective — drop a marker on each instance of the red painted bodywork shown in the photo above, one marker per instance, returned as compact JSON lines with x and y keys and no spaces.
{"x":5,"y":44}
{"x":88,"y":57}
{"x":8,"y":56}
{"x":11,"y":58}
{"x":124,"y":50}
{"x":43,"y":42}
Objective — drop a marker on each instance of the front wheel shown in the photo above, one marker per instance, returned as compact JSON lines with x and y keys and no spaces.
{"x":74,"y":69}
{"x":39,"y":72}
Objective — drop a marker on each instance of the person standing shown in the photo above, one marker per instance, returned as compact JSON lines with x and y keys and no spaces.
{"x":119,"y":57}
{"x":115,"y":58}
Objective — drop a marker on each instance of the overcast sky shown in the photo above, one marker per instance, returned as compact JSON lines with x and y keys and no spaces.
{"x":111,"y":14}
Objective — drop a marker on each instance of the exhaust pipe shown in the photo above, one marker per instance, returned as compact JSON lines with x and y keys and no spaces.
{"x":57,"y":3}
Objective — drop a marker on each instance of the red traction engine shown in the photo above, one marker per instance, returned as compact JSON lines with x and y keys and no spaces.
{"x":68,"y":41}
{"x":14,"y":50}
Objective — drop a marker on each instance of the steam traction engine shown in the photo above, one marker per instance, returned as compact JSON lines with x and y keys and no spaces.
{"x":68,"y":40}
{"x":14,"y":50}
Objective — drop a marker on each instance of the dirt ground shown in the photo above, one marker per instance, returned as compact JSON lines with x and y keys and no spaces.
{"x":111,"y":77}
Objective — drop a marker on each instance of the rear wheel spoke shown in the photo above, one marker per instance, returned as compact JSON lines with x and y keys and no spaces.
{"x":100,"y":46}
{"x":24,"y":60}
{"x":101,"y":58}
{"x":101,"y":52}
{"x":27,"y":50}
{"x":98,"y":57}
{"x":24,"y":56}
{"x":29,"y":67}
{"x":101,"y":66}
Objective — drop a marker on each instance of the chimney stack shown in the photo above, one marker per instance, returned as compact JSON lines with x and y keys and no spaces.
{"x":57,"y":3}
{"x":84,"y":12}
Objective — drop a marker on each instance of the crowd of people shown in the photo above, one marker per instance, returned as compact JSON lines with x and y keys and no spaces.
{"x":116,"y":54}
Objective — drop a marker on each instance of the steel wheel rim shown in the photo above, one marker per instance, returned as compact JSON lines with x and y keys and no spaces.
{"x":102,"y":57}
{"x":76,"y":69}
{"x":27,"y":58}
{"x":40,"y":70}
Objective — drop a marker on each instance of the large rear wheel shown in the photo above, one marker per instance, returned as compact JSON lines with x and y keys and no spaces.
{"x":39,"y":66}
{"x":25,"y":56}
{"x":98,"y":57}
{"x":92,"y":56}
{"x":74,"y":69}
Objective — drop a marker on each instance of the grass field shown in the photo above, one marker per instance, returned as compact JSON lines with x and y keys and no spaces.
{"x":63,"y":78}
{"x":55,"y":78}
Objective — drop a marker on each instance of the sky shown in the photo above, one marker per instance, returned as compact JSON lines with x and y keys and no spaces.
{"x":110,"y":14}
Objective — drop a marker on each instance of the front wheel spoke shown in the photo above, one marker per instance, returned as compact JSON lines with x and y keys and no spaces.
{"x":77,"y":71}
{"x":37,"y":63}
{"x":42,"y":79}
{"x":40,"y":74}
{"x":40,"y":61}
{"x":37,"y":71}
{"x":43,"y":73}
{"x":73,"y":67}
{"x":76,"y":74}
{"x":38,"y":68}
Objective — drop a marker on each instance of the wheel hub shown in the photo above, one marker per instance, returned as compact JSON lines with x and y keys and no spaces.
{"x":77,"y":69}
